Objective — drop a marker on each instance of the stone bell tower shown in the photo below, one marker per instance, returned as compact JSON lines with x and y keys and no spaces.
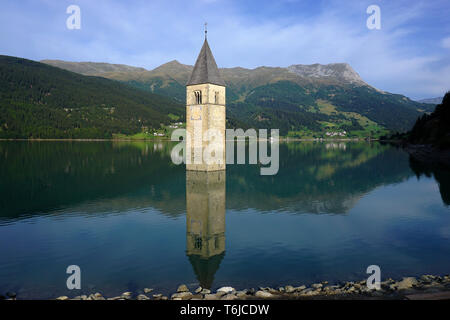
{"x":205,"y":114}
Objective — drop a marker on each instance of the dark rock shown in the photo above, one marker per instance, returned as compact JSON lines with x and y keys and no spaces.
{"x":11,"y":294}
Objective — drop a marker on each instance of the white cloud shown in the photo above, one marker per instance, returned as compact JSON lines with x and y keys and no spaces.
{"x":150,"y":33}
{"x":381,"y":57}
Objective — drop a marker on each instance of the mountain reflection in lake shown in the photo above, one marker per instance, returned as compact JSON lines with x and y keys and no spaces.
{"x":131,"y":219}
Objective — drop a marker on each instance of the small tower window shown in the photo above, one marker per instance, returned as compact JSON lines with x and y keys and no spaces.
{"x":198,"y":97}
{"x":216,"y":97}
{"x":216,"y":242}
{"x":197,"y":242}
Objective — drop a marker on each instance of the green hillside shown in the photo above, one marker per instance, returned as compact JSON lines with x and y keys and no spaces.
{"x":41,"y":101}
{"x":300,"y":105}
{"x":433,"y":129}
{"x":312,"y":110}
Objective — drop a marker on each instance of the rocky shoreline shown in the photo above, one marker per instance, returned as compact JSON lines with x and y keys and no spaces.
{"x":424,"y":287}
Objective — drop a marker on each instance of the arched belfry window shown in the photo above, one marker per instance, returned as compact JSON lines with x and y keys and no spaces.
{"x":198,"y":97}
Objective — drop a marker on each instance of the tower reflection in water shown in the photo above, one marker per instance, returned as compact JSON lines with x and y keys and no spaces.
{"x":205,"y":223}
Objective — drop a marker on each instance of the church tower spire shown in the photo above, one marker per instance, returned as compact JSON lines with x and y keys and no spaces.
{"x":205,"y":69}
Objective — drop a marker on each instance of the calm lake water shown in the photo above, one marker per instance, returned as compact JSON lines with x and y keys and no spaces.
{"x":131,"y":219}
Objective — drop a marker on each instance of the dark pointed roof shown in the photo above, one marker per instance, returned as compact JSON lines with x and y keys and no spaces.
{"x":205,"y":269}
{"x":205,"y":69}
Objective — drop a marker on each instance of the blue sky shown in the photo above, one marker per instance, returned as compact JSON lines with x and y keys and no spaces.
{"x":410,"y":54}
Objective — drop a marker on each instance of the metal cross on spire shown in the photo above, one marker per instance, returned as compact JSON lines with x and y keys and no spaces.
{"x":206,"y":29}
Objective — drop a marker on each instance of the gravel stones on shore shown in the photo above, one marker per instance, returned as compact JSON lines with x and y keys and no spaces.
{"x":183,"y":288}
{"x":198,"y":290}
{"x":185,"y":295}
{"x":406,"y":283}
{"x":211,"y":297}
{"x":226,"y":290}
{"x":288,"y":289}
{"x":263,"y":294}
{"x":389,"y":289}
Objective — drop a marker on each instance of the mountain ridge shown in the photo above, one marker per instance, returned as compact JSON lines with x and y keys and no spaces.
{"x":91,"y":68}
{"x":436,"y":100}
{"x":340,"y":71}
{"x":301,"y":100}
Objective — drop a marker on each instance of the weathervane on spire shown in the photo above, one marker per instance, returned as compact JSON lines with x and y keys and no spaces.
{"x":206,"y":29}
